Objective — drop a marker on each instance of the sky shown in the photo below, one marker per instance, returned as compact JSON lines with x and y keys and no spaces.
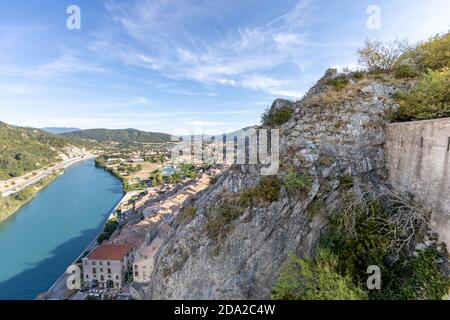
{"x":181,"y":66}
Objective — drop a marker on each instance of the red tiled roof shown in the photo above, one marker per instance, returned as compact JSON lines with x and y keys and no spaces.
{"x":110,"y":252}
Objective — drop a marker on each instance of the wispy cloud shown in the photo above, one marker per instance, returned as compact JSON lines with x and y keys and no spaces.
{"x":227,"y":59}
{"x":63,"y":65}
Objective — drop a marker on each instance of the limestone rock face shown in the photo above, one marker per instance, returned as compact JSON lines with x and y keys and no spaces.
{"x":330,"y":139}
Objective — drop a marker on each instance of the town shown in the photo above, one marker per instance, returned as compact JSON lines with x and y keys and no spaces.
{"x":157,"y":192}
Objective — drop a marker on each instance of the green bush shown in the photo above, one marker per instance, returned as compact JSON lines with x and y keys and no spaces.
{"x":189,"y":212}
{"x":358,"y":74}
{"x":25,"y":194}
{"x":429,"y":100}
{"x":346,"y":181}
{"x":434,"y":54}
{"x":405,"y":71}
{"x":295,"y":182}
{"x":277,"y":117}
{"x":355,"y":237}
{"x":102,"y":237}
{"x":318,"y":279}
{"x":424,"y":279}
{"x":219,"y":220}
{"x":266,"y":192}
{"x":339,"y":83}
{"x":110,"y":227}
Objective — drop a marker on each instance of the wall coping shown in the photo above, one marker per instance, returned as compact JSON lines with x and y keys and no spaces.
{"x":418,"y":122}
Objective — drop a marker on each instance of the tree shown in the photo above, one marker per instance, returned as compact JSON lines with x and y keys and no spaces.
{"x":175,"y":177}
{"x":157,"y":177}
{"x":376,"y":56}
{"x":102,"y":237}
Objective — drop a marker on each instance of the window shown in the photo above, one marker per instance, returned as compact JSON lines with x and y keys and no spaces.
{"x":136,"y":274}
{"x":108,"y":263}
{"x":102,"y":278}
{"x":136,"y":266}
{"x":101,"y":263}
{"x":94,"y":271}
{"x":101,"y":269}
{"x":87,"y":276}
{"x":93,"y":263}
{"x":85,"y":262}
{"x":109,"y":270}
{"x":117,"y":277}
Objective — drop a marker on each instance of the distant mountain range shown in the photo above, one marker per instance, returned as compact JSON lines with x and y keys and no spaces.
{"x":230,"y":135}
{"x":129,"y":136}
{"x":59,"y":130}
{"x":124,"y":136}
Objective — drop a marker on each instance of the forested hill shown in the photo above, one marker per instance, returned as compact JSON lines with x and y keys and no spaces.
{"x":25,"y":149}
{"x":125,"y":136}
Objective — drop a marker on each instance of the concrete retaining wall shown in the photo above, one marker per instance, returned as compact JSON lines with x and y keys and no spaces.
{"x":418,"y":155}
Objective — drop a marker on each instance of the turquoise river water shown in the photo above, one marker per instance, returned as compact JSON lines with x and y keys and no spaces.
{"x":49,"y":233}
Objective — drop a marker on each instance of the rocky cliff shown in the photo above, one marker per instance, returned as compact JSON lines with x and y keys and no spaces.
{"x":334,"y":138}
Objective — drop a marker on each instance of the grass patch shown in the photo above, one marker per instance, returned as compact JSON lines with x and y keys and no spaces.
{"x":339,"y":83}
{"x":298,"y":182}
{"x":219,"y":220}
{"x":188,"y":213}
{"x":266,"y":192}
{"x":346,"y":181}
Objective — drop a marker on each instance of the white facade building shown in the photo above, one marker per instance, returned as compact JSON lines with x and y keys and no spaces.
{"x":107,"y":265}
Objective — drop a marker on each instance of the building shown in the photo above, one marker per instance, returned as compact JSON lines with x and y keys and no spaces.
{"x":144,"y":261}
{"x":107,"y":265}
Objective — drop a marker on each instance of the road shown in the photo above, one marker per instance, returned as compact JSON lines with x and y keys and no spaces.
{"x":42,"y":175}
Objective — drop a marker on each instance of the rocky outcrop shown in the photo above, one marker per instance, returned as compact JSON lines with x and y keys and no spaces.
{"x":335,"y":137}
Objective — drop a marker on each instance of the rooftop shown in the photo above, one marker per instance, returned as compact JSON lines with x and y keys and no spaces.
{"x":110,"y":252}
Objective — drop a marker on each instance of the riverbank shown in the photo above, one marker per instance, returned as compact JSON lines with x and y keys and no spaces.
{"x":59,"y":290}
{"x":11,"y":204}
{"x":13,"y":201}
{"x":16,"y":185}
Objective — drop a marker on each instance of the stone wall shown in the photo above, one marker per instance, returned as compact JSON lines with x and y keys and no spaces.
{"x":418,"y":161}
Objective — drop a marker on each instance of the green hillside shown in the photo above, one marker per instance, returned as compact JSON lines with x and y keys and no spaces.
{"x":126,"y":136}
{"x":25,"y":149}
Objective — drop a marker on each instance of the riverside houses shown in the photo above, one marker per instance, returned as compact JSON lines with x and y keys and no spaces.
{"x":107,"y":265}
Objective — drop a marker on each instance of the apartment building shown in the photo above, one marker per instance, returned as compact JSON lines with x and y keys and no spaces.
{"x":107,"y":265}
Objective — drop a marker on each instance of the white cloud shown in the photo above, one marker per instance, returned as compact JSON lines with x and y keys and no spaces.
{"x":162,"y":43}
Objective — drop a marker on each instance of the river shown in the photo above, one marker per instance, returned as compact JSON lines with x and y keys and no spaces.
{"x":49,"y":233}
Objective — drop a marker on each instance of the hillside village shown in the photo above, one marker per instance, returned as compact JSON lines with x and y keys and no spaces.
{"x":176,"y":227}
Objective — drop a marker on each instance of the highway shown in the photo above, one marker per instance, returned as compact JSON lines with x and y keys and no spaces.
{"x":35,"y":179}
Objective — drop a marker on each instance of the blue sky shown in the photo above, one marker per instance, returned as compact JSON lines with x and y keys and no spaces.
{"x":182,"y":66}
